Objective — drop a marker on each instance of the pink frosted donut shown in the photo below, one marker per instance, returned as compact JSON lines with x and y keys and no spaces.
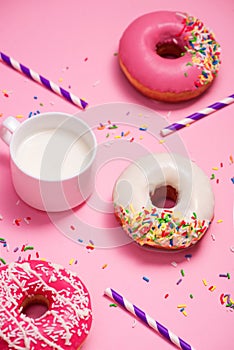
{"x":68,"y":318}
{"x":169,"y":56}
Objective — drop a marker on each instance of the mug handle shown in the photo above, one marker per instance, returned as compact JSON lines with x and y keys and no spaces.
{"x":9,"y":125}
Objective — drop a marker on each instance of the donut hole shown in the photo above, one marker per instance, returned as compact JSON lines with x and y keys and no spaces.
{"x":35,"y":306}
{"x":169,"y":50}
{"x":164,"y":197}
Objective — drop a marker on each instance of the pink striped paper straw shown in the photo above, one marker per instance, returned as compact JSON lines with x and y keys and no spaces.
{"x":11,"y":62}
{"x":148,"y":320}
{"x":196,"y":116}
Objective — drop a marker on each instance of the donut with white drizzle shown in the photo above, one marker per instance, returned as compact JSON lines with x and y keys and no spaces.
{"x":67,"y":321}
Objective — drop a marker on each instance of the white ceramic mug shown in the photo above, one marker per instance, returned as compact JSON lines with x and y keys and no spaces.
{"x":52,"y":160}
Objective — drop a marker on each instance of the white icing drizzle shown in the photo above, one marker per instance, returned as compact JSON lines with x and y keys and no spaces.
{"x":4,"y":336}
{"x":66,"y":318}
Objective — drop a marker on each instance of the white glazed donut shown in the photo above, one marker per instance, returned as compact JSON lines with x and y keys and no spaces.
{"x":135,"y":193}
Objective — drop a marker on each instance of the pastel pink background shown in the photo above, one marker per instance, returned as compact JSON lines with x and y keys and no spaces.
{"x":74,"y":43}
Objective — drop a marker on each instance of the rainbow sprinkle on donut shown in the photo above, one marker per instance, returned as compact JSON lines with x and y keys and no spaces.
{"x":161,"y":228}
{"x":205,"y":51}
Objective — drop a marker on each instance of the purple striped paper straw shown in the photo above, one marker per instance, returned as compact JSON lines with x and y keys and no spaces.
{"x":149,"y":321}
{"x":11,"y":62}
{"x":196,"y":116}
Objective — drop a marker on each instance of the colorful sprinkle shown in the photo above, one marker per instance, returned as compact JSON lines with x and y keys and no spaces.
{"x":161,"y":227}
{"x":212,"y":288}
{"x":90,"y":247}
{"x":113,"y":127}
{"x":143,"y":127}
{"x":113,"y":305}
{"x":101,"y":127}
{"x":227,"y":299}
{"x":221,"y":299}
{"x":17,"y":222}
{"x":145,"y":278}
{"x":203,"y":47}
{"x":184,"y":313}
{"x":71,"y":261}
{"x":180,"y":306}
{"x":5,"y":93}
{"x":179,"y":281}
{"x":28,"y":248}
{"x":3,"y":261}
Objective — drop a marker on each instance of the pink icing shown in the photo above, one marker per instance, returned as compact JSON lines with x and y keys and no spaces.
{"x":66,"y":323}
{"x":137,"y":51}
